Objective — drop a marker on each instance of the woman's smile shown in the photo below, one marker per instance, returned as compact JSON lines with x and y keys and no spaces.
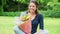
{"x":32,"y":7}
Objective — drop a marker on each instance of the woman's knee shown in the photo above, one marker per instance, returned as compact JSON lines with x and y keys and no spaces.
{"x":18,"y":30}
{"x":15,"y":28}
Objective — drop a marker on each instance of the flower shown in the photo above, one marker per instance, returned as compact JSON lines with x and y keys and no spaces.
{"x":25,"y":18}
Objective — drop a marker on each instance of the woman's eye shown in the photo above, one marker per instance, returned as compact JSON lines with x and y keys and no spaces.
{"x":31,"y":6}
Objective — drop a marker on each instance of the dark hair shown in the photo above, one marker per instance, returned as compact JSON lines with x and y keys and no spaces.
{"x":36,"y":11}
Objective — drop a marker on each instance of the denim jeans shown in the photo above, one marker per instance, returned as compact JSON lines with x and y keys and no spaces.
{"x":17,"y":30}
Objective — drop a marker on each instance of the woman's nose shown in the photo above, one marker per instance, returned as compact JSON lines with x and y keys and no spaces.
{"x":31,"y":7}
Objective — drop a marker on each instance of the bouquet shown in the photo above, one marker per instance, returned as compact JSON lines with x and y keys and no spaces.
{"x":25,"y":18}
{"x":26,"y":24}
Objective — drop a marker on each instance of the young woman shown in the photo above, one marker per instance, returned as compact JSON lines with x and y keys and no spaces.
{"x":36,"y":19}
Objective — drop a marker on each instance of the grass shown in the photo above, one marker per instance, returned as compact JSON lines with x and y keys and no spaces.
{"x":53,"y":25}
{"x":7,"y":24}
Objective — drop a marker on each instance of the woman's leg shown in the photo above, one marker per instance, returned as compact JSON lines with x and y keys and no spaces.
{"x":17,"y":30}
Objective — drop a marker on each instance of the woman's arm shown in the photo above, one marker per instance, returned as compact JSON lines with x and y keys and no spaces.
{"x":41,"y":24}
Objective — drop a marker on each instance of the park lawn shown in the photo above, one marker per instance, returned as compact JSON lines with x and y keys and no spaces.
{"x":53,"y":25}
{"x":7,"y":24}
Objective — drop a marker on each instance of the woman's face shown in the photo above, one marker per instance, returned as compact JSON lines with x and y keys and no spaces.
{"x":32,"y":7}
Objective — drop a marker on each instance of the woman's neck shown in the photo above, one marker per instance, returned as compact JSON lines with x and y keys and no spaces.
{"x":32,"y":13}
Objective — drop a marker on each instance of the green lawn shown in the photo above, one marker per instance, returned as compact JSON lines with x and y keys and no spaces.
{"x":7,"y":24}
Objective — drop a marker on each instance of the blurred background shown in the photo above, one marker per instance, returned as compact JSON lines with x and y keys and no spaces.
{"x":9,"y":9}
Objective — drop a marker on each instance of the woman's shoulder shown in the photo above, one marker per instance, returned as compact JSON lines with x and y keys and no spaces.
{"x":40,"y":15}
{"x":23,"y":13}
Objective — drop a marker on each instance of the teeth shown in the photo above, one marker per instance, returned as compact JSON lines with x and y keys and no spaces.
{"x":31,"y":9}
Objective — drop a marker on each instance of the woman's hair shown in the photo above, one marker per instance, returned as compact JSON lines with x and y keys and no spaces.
{"x":36,"y":11}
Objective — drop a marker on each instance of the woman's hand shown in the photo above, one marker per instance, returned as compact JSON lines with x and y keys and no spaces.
{"x":38,"y":32}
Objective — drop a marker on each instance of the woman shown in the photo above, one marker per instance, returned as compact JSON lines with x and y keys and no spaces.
{"x":36,"y":19}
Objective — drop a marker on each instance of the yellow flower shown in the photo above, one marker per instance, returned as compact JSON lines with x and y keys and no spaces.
{"x":26,"y":17}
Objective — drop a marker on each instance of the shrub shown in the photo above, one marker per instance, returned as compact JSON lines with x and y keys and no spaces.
{"x":10,"y":14}
{"x":51,"y":13}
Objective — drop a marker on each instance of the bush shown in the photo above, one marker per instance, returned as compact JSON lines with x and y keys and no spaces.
{"x":51,"y":13}
{"x":10,"y":14}
{"x":48,"y":13}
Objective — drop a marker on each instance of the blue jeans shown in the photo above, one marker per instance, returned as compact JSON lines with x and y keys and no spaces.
{"x":17,"y":30}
